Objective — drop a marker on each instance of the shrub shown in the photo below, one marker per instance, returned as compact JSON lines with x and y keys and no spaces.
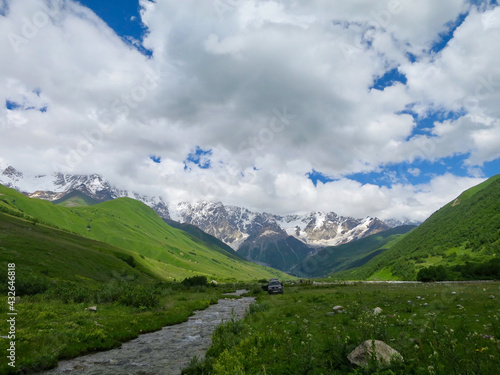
{"x":438,"y":273}
{"x":29,"y":285}
{"x":127,"y":259}
{"x":195,"y":281}
{"x":140,"y":297}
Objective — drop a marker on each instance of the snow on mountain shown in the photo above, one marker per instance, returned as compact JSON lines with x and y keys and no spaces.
{"x":233,"y":225}
{"x":54,"y":187}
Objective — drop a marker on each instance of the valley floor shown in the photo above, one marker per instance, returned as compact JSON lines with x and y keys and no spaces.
{"x":439,"y":328}
{"x":166,"y":351}
{"x":445,"y":328}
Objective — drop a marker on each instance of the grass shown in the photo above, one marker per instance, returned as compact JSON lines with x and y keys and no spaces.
{"x":75,"y":199}
{"x":57,"y":255}
{"x":292,"y":334}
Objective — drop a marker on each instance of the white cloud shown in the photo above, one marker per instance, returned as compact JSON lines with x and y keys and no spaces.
{"x":281,"y":86}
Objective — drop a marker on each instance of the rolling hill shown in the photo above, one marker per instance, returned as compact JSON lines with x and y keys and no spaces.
{"x":62,"y":256}
{"x":132,"y":226}
{"x":465,"y":230}
{"x":353,"y":254}
{"x":200,"y":235}
{"x":75,"y":198}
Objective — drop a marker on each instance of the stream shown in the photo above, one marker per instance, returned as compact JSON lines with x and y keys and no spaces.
{"x":166,"y":351}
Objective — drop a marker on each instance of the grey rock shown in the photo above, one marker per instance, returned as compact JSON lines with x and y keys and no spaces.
{"x":382,"y":352}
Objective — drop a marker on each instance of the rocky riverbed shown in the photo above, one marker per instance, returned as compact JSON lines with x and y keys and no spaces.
{"x":166,"y":351}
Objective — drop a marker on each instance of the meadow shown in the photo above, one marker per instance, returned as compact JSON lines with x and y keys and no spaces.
{"x":438,"y":329}
{"x":60,"y":324}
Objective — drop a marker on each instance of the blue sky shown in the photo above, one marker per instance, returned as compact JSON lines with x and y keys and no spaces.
{"x":123,"y":17}
{"x":273,"y":105}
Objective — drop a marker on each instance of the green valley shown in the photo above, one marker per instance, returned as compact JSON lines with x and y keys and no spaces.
{"x":350,"y":255}
{"x":132,"y":226}
{"x":89,"y":278}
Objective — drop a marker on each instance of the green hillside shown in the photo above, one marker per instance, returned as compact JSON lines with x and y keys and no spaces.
{"x":75,"y":198}
{"x":197,"y":233}
{"x":353,"y":254}
{"x":465,"y":230}
{"x":130,"y":225}
{"x":278,"y":251}
{"x":61,"y":256}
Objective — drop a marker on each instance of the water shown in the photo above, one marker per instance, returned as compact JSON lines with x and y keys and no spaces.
{"x":166,"y":351}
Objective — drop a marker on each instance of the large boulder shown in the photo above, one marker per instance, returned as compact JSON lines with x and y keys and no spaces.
{"x":383,"y":353}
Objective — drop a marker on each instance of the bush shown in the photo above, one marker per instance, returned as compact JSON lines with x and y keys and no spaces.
{"x":140,"y":297}
{"x":31,"y":284}
{"x":195,"y":281}
{"x":438,"y":273}
{"x":489,"y":270}
{"x":127,"y":259}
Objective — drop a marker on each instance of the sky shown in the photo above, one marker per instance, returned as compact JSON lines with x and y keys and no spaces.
{"x":364,"y":108}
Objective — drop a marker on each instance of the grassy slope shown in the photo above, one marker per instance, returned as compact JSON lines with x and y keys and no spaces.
{"x":353,"y":254}
{"x":466,"y":229}
{"x":75,"y":199}
{"x":200,"y":235}
{"x":131,"y":225}
{"x":39,"y":249}
{"x":282,"y":253}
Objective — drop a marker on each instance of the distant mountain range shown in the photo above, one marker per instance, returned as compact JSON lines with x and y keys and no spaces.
{"x":268,"y":239}
{"x":133,"y":232}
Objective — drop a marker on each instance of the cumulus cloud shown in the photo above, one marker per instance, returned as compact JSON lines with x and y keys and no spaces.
{"x":274,"y":89}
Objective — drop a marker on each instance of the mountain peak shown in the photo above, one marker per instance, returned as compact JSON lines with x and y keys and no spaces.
{"x":12,"y":173}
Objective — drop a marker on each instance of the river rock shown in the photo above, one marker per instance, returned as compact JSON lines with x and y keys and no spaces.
{"x":377,"y":310}
{"x":338,"y":309}
{"x":383,"y":353}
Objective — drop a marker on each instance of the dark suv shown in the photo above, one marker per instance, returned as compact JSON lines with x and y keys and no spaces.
{"x":275,"y":287}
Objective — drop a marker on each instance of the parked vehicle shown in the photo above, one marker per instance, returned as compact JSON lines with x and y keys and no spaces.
{"x":275,"y":287}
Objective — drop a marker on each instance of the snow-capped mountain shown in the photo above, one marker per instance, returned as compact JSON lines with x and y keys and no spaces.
{"x":56,"y":186}
{"x":234,"y":225}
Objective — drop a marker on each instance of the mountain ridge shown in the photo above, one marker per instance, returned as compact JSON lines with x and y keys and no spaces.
{"x":236,"y":226}
{"x":131,"y":225}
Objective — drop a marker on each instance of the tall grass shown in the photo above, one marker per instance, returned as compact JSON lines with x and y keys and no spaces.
{"x":436,"y":331}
